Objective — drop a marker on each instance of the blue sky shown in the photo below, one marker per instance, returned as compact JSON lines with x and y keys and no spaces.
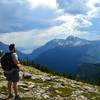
{"x":31,"y":23}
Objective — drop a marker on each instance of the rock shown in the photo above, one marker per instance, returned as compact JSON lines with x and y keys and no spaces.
{"x":2,"y":97}
{"x":35,"y":78}
{"x":58,"y":85}
{"x":43,"y":78}
{"x":90,"y":89}
{"x":58,"y":97}
{"x":46,"y":78}
{"x":31,"y":86}
{"x":46,"y":96}
{"x":77,"y":95}
{"x":25,"y":89}
{"x":27,"y":75}
{"x":21,"y":75}
{"x":22,"y":85}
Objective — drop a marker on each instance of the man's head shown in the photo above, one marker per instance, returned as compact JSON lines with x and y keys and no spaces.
{"x":12,"y":47}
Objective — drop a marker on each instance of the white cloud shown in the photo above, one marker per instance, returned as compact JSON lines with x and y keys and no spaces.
{"x":74,"y":17}
{"x":73,"y":7}
{"x":50,"y":3}
{"x":19,"y":15}
{"x":20,"y":38}
{"x":36,"y":38}
{"x":82,"y":10}
{"x":93,"y":12}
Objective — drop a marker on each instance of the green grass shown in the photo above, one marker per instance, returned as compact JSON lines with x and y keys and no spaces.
{"x":28,"y":98}
{"x":31,"y":80}
{"x":23,"y":90}
{"x":4,"y":90}
{"x":92,"y":96}
{"x":0,"y":73}
{"x":48,"y":83}
{"x":65,"y":91}
{"x":53,"y":93}
{"x":30,"y":69}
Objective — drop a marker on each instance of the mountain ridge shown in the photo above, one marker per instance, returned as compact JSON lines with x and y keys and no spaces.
{"x":69,"y":41}
{"x":69,"y":58}
{"x":66,"y":55}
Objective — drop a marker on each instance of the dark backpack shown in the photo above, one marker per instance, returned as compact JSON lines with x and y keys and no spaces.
{"x":6,"y":62}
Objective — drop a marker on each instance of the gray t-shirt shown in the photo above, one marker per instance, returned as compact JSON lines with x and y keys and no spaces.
{"x":14,"y":56}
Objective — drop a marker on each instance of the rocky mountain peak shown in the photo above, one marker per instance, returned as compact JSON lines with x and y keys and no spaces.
{"x":69,"y":41}
{"x":72,"y":38}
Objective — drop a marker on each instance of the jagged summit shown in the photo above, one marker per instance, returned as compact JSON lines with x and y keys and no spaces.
{"x":71,"y":37}
{"x":69,"y":41}
{"x":75,"y":41}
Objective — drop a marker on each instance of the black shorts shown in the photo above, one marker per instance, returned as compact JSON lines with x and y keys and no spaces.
{"x":13,"y":77}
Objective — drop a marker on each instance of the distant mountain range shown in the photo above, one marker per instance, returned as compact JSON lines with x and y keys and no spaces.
{"x":66,"y":55}
{"x":71,"y":41}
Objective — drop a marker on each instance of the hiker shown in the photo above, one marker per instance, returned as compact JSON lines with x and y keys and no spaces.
{"x":12,"y":75}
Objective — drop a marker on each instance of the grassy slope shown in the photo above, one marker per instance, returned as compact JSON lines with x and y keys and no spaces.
{"x":58,"y":88}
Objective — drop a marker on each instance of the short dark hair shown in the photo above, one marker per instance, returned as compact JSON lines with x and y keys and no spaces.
{"x":11,"y":47}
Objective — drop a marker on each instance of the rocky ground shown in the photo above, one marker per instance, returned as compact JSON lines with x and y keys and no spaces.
{"x":43,"y":86}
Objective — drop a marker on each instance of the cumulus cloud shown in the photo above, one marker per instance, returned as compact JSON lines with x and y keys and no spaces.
{"x":73,"y":6}
{"x":39,"y":21}
{"x":85,"y":12}
{"x":19,"y":15}
{"x":50,"y":3}
{"x":21,"y":39}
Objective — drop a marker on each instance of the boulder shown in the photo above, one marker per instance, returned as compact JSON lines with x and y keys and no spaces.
{"x":27,"y":75}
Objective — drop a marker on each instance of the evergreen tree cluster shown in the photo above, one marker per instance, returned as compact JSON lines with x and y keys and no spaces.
{"x":44,"y":68}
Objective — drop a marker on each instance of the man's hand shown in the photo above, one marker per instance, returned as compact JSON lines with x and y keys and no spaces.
{"x":16,"y":62}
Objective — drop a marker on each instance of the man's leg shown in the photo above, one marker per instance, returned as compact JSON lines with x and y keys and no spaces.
{"x":17,"y":97}
{"x":15,"y":87}
{"x":10,"y":88}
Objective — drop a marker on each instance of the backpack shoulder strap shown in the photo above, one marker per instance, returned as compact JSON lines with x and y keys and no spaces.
{"x":9,"y":56}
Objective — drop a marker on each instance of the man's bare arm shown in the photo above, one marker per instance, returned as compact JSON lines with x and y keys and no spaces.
{"x":16,"y":62}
